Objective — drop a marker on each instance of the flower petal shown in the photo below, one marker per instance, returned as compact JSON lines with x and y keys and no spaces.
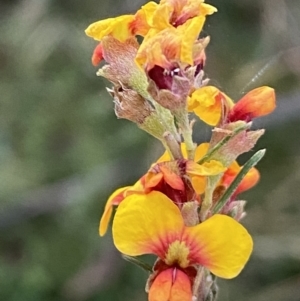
{"x":250,"y":179}
{"x":190,"y":31}
{"x":166,"y":156}
{"x":201,"y":151}
{"x":181,"y":289}
{"x":146,"y":224}
{"x":171,"y":285}
{"x":171,"y":178}
{"x":118,"y":27}
{"x":199,"y":184}
{"x":114,"y":199}
{"x":207,"y":103}
{"x":210,"y":168}
{"x":220,"y":244}
{"x":143,"y":19}
{"x":256,"y":103}
{"x":160,"y":289}
{"x":97,"y":56}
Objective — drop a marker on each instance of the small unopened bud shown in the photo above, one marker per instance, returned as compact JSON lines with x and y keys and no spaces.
{"x":130,"y":105}
{"x":190,"y":214}
{"x":236,"y":209}
{"x":258,"y":102}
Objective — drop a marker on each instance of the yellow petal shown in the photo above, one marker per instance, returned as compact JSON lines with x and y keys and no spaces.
{"x":118,"y":27}
{"x":201,"y":151}
{"x":220,"y":244}
{"x":143,"y":19}
{"x":146,"y":224}
{"x":190,"y":31}
{"x":166,"y":156}
{"x":207,"y":9}
{"x":199,"y":184}
{"x":207,"y":102}
{"x":114,"y":199}
{"x":161,"y":17}
{"x":209,"y":108}
{"x":234,"y":168}
{"x":210,"y":168}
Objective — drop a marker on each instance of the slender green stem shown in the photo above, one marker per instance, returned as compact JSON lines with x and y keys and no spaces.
{"x":235,"y":183}
{"x":222,"y":142}
{"x":172,"y":146}
{"x":211,"y":183}
{"x":186,"y":131}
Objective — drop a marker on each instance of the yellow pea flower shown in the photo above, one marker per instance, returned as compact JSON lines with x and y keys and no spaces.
{"x":209,"y":103}
{"x":153,"y":224}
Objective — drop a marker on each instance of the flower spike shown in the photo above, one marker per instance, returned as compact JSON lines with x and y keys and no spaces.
{"x":185,"y":209}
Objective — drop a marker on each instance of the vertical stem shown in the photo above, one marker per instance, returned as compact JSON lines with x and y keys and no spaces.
{"x":172,"y":146}
{"x":197,"y":285}
{"x":186,"y":131}
{"x":211,"y":184}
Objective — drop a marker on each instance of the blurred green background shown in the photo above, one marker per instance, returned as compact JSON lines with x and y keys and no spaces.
{"x":62,"y":150}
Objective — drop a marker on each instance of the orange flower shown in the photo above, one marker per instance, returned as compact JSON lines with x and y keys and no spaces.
{"x":256,"y":103}
{"x":159,"y":49}
{"x":167,"y":177}
{"x":173,"y":13}
{"x":153,"y":224}
{"x":170,"y":45}
{"x":250,"y":180}
{"x":197,"y":172}
{"x":209,"y":103}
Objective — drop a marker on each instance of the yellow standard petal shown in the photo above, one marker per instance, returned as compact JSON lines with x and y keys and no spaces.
{"x":221,"y":244}
{"x":190,"y":32}
{"x":146,"y":224}
{"x":118,"y":27}
{"x":205,"y":104}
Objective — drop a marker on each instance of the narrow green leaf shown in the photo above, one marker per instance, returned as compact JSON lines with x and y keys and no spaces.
{"x":235,"y":183}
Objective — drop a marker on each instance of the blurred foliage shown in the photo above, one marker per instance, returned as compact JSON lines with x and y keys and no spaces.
{"x":62,"y":150}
